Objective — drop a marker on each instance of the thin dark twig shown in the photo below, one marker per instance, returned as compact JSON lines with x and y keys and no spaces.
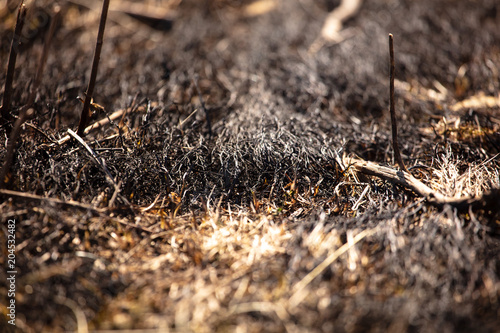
{"x":395,"y":144}
{"x":11,"y":145}
{"x":43,"y":57}
{"x":26,"y":111}
{"x":93,"y":75}
{"x":7,"y":96}
{"x":200,"y":96}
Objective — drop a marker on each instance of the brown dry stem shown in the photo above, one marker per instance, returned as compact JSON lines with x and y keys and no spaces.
{"x":299,"y":288}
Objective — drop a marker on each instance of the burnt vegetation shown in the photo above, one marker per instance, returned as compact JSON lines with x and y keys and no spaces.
{"x":236,"y":171}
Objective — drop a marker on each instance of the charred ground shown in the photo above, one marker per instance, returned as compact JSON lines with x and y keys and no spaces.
{"x":217,"y":223}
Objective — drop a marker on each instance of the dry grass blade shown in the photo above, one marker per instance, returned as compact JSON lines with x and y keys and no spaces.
{"x":143,"y":10}
{"x":298,"y":289}
{"x":68,"y":204}
{"x":259,"y":7}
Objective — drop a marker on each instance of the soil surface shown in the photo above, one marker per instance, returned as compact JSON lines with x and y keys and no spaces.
{"x":221,"y":196}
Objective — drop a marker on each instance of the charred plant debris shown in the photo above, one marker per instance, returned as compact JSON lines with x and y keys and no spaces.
{"x":220,"y":185}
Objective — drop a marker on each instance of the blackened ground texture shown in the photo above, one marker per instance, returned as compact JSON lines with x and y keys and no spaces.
{"x":233,"y":205}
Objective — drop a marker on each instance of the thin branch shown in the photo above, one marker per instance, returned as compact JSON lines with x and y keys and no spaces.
{"x":104,"y":121}
{"x":394,"y":123}
{"x":14,"y":47}
{"x":263,"y":307}
{"x":96,"y":125}
{"x":93,"y":75}
{"x":433,"y":197}
{"x":34,"y":197}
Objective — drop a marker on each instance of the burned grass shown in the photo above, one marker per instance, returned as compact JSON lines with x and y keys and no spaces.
{"x":258,"y":222}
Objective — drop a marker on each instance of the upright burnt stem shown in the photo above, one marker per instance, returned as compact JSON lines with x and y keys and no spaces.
{"x":11,"y":145}
{"x":14,"y":46}
{"x":93,"y":75}
{"x":394,"y":123}
{"x":26,"y":111}
{"x":200,"y":96}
